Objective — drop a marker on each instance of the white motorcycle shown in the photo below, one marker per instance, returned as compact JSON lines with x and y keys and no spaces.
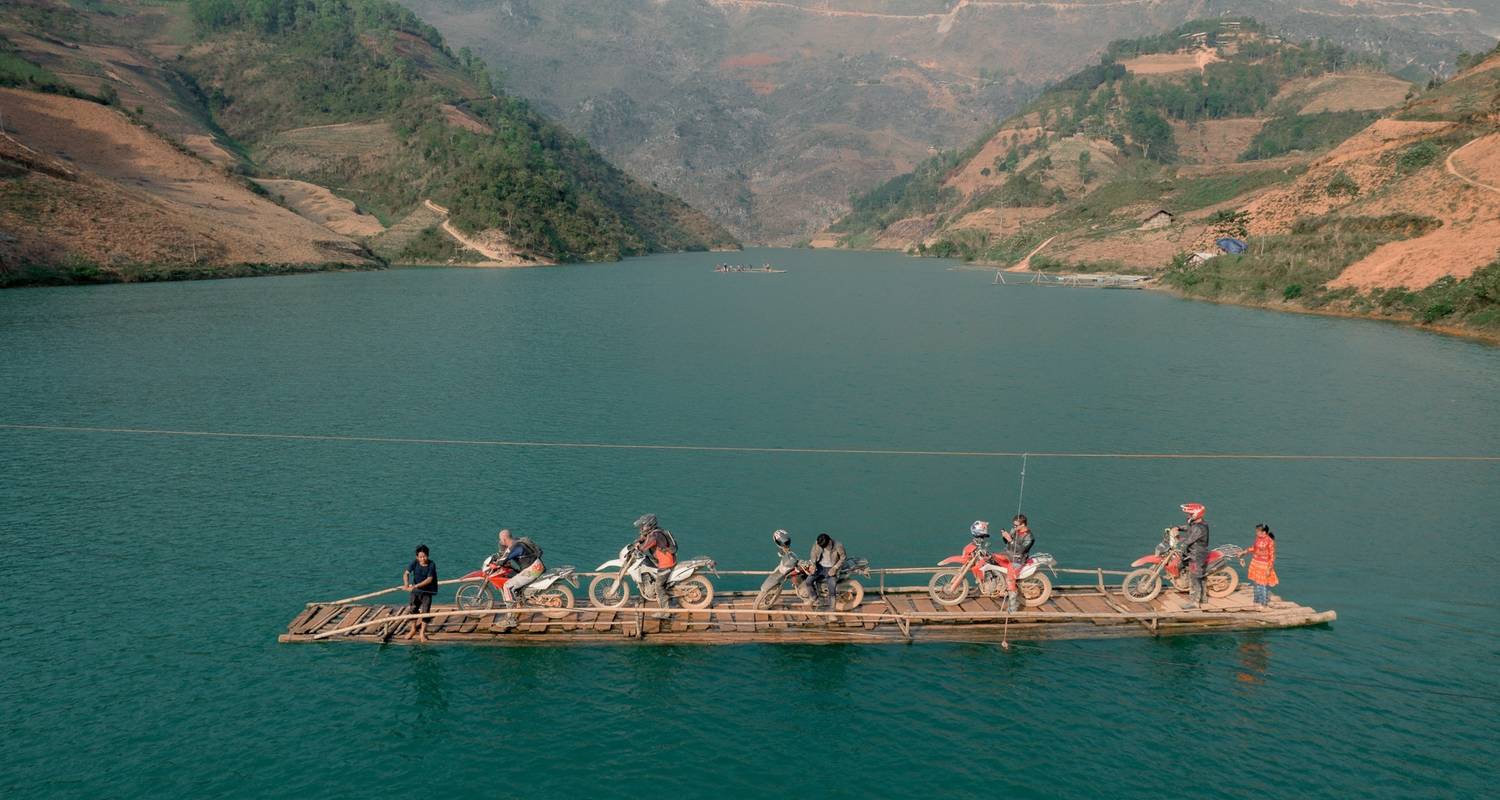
{"x":685,"y":583}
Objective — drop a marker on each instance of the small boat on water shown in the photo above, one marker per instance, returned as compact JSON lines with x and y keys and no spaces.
{"x":764,"y":269}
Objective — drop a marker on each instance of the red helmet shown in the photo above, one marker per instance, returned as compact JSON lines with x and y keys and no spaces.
{"x":1193,"y":510}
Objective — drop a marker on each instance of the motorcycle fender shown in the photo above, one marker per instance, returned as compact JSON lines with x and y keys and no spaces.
{"x":1144,"y":560}
{"x":681,"y":574}
{"x":473,"y":576}
{"x":542,"y":583}
{"x":614,"y":563}
{"x":952,"y":560}
{"x":774,"y":578}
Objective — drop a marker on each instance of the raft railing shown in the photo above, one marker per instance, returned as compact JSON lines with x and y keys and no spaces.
{"x":1099,"y":574}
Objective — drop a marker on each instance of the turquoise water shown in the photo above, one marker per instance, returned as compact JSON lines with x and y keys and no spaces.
{"x":148,"y":576}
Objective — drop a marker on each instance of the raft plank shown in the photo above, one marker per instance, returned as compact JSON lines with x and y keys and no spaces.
{"x":605,"y":621}
{"x":322,"y":617}
{"x":302,"y":618}
{"x":1069,"y":605}
{"x":922,"y":604}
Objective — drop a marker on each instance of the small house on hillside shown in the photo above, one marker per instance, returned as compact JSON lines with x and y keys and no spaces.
{"x":1159,"y":218}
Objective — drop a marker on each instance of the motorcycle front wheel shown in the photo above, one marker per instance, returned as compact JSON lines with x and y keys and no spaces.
{"x":695,"y":593}
{"x":768,"y":597}
{"x":1035,"y":590}
{"x":1141,"y":586}
{"x":473,"y":597}
{"x":609,"y":591}
{"x":948,"y":588}
{"x":850,"y":595}
{"x":1222,"y":583}
{"x":556,"y":599}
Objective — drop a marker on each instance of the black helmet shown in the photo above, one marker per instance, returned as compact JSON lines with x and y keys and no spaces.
{"x":782,"y":538}
{"x":646,"y":522}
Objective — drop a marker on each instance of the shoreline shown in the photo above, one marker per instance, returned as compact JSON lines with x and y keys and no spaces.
{"x":1487,"y":337}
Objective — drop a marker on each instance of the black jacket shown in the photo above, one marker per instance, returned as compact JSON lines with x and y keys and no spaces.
{"x":1194,"y":542}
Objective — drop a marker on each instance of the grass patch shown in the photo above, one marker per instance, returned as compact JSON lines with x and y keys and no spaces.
{"x":1309,"y":133}
{"x":1204,"y":192}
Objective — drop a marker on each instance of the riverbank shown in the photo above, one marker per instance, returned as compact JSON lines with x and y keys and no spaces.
{"x":85,"y":274}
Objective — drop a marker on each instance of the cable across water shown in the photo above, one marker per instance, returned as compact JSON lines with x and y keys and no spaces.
{"x":702,"y":448}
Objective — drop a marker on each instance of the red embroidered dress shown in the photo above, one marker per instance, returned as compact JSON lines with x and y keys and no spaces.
{"x":1263,"y":560}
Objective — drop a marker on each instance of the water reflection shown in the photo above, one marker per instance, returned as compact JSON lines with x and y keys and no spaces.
{"x":1255,"y":660}
{"x":429,"y":687}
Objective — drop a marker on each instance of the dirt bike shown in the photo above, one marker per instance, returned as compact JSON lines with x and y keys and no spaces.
{"x":849,"y":591}
{"x":951,"y":587}
{"x":1219,"y":576}
{"x":685,"y":583}
{"x":550,"y":592}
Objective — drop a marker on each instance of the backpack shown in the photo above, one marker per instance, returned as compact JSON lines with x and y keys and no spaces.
{"x":669,"y":542}
{"x":530,"y":547}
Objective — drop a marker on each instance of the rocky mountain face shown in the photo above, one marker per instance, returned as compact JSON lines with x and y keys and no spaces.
{"x":769,"y":114}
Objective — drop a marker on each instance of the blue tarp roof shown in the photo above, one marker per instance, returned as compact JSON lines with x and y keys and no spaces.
{"x":1231,"y":246}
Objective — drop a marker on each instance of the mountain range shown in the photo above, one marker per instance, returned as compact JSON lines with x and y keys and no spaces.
{"x":769,"y":114}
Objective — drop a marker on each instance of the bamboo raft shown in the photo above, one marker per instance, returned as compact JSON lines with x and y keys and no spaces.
{"x":890,"y":615}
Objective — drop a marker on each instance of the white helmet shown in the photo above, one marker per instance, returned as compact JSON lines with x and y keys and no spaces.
{"x":980,"y":529}
{"x":782,"y":538}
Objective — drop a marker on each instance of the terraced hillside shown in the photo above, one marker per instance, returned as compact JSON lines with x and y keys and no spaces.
{"x":1357,"y":192}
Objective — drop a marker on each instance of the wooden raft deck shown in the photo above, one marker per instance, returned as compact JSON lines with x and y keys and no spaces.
{"x":901,"y":615}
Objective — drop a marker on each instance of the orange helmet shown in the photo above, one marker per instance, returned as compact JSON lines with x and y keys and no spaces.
{"x":1193,"y":510}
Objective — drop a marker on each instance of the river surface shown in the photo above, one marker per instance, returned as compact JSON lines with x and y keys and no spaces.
{"x":147,"y":576}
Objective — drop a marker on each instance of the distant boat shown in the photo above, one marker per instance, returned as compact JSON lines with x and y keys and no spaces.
{"x":764,"y":269}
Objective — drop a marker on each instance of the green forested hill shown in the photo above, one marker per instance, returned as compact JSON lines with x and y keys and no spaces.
{"x":363,"y":97}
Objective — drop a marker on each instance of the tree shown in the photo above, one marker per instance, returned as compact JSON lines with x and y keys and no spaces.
{"x":1152,"y":134}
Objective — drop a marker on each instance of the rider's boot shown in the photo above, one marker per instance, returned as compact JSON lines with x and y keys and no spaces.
{"x":1195,"y":592}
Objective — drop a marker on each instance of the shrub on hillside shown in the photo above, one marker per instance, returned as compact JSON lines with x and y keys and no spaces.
{"x":1418,"y":156}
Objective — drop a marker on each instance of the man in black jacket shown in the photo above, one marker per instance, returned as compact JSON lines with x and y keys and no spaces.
{"x":1193,"y":539}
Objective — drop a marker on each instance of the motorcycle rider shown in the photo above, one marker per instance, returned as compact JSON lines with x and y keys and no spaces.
{"x":1193,"y":539}
{"x":827,"y":556}
{"x":661,"y":546}
{"x":1018,"y":542}
{"x":522,"y":558}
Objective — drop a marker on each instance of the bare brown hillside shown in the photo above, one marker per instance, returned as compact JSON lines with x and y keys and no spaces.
{"x":83,"y":183}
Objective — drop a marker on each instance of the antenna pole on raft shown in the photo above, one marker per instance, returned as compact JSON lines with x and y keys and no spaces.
{"x":1021,"y":496}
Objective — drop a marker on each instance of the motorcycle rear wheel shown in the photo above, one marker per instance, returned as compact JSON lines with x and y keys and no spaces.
{"x":473,"y":597}
{"x":850,"y":594}
{"x":1222,"y":583}
{"x":609,"y":591}
{"x":1141,"y":586}
{"x":768,"y":597}
{"x":695,"y":593}
{"x":948,"y":588}
{"x":1035,"y":590}
{"x":556,"y":599}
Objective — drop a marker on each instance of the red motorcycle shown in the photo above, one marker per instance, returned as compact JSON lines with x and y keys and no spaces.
{"x":550,"y":592}
{"x":1219,"y":577}
{"x":951,"y":587}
